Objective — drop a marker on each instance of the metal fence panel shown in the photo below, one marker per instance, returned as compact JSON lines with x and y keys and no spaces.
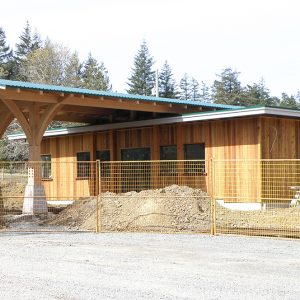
{"x":68,"y":188}
{"x":250,"y":197}
{"x":162,"y":196}
{"x":257,"y":197}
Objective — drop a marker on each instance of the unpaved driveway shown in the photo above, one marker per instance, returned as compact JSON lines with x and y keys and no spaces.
{"x":147,"y":266}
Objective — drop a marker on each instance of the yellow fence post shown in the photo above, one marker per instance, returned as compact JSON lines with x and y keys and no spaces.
{"x":213,"y":228}
{"x":98,"y":200}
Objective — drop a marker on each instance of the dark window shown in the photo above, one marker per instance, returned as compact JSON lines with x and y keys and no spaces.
{"x":168,"y":153}
{"x":46,"y":166}
{"x":135,"y":154}
{"x":83,"y":164}
{"x":194,"y":152}
{"x":135,"y":176}
{"x":104,"y":157}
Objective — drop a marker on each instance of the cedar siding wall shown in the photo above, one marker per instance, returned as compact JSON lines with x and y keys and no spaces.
{"x":224,"y":139}
{"x":280,"y":140}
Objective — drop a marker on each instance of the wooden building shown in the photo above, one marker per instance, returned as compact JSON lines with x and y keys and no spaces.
{"x":138,"y":128}
{"x":236,"y":141}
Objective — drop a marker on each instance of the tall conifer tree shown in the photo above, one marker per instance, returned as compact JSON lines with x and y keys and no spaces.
{"x":194,"y":89}
{"x":5,"y":55}
{"x":95,"y":75}
{"x":142,"y":77}
{"x":28,"y":43}
{"x":166,"y":82}
{"x":185,"y":87}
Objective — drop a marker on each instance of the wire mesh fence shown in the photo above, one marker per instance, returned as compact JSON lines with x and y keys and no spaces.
{"x":163,"y":196}
{"x":36,"y":196}
{"x":257,"y":197}
{"x":249,"y":197}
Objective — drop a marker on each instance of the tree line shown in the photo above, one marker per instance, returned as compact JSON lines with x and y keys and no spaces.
{"x":43,"y":61}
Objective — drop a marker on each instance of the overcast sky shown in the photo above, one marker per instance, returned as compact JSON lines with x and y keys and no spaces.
{"x":259,"y":38}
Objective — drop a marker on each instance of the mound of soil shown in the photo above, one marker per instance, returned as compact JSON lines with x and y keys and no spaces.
{"x":173,"y":208}
{"x":12,"y":195}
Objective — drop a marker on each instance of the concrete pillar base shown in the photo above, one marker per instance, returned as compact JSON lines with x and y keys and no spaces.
{"x":35,"y":200}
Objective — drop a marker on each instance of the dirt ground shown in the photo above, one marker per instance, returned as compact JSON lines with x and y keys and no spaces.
{"x":276,"y":219}
{"x":170,"y":209}
{"x":173,"y":208}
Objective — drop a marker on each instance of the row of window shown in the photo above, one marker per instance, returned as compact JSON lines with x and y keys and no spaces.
{"x":191,"y":151}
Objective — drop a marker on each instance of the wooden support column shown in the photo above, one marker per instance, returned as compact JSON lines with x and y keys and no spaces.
{"x":34,"y":127}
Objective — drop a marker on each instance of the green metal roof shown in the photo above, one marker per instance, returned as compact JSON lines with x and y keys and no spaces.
{"x":63,"y":89}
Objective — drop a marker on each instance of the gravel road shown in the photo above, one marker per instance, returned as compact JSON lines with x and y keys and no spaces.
{"x":147,"y":266}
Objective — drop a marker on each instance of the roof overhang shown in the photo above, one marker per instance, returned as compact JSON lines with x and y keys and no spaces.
{"x":95,"y":107}
{"x":204,"y":116}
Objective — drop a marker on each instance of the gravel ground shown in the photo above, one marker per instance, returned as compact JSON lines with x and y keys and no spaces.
{"x":147,"y":266}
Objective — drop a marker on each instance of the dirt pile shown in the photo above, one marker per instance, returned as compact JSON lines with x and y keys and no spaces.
{"x":173,"y":208}
{"x":12,"y":194}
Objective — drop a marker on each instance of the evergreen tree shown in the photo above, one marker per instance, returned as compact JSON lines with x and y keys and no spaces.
{"x":298,"y":96}
{"x":256,"y":94}
{"x":194,"y":89}
{"x":227,"y":89}
{"x":5,"y":55}
{"x":185,"y":87}
{"x":288,"y":101}
{"x":166,"y":82}
{"x":73,"y":71}
{"x":29,"y":42}
{"x":142,"y":77}
{"x":204,"y":93}
{"x":95,"y":75}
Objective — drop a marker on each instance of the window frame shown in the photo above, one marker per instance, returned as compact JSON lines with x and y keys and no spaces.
{"x":136,"y":148}
{"x":85,"y":164}
{"x":194,"y":165}
{"x":46,"y":166}
{"x":168,"y":168}
{"x":104,"y":166}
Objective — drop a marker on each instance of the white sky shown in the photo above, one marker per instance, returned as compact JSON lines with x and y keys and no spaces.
{"x":259,"y":38}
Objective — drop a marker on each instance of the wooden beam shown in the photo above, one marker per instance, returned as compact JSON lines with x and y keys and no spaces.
{"x":92,"y":101}
{"x":48,"y":115}
{"x":16,"y":111}
{"x":85,"y":110}
{"x":76,"y":118}
{"x":28,"y":96}
{"x":130,"y":105}
{"x":46,"y":118}
{"x":6,"y":119}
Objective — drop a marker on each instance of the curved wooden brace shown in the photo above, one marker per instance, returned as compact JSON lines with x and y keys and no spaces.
{"x":6,"y":119}
{"x":15,"y":110}
{"x":46,"y":118}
